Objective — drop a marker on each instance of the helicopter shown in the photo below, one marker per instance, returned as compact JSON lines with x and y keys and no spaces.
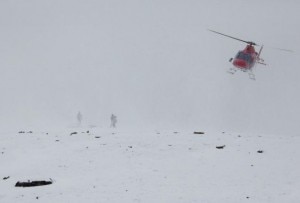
{"x":245,"y":60}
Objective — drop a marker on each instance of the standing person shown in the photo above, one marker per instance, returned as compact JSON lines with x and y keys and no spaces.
{"x":79,"y":118}
{"x":113,"y":121}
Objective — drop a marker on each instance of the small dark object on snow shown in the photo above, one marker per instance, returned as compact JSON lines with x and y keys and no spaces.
{"x":33,"y":183}
{"x":5,"y":178}
{"x":29,"y":132}
{"x":130,"y":147}
{"x":260,"y":151}
{"x":199,"y":133}
{"x":220,"y":147}
{"x":73,"y":133}
{"x":97,"y":136}
{"x":247,"y":197}
{"x":56,"y":140}
{"x":21,"y":131}
{"x":88,"y":131}
{"x":175,"y":132}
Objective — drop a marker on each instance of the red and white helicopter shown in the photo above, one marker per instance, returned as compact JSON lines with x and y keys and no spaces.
{"x":246,"y":59}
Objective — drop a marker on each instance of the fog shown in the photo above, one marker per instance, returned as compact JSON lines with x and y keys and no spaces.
{"x":152,"y":63}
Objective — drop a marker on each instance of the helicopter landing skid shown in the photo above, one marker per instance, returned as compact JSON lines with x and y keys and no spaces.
{"x":251,"y":75}
{"x":232,"y":71}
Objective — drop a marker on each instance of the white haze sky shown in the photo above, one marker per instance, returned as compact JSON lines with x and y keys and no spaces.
{"x":152,"y":63}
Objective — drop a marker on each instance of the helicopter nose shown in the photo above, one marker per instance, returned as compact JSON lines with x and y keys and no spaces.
{"x":240,"y":63}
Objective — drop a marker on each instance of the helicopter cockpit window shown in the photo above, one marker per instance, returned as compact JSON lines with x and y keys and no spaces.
{"x":243,"y":56}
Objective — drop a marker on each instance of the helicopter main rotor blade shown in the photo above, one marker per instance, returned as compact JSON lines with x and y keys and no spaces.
{"x":280,"y":49}
{"x":248,"y":42}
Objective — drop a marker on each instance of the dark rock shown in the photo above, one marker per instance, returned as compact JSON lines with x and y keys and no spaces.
{"x":199,"y":133}
{"x":220,"y":147}
{"x":7,"y":177}
{"x":73,"y":133}
{"x":33,"y":183}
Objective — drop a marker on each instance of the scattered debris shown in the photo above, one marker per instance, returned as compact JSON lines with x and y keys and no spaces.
{"x":199,"y":133}
{"x":33,"y":183}
{"x":7,"y":177}
{"x":260,"y":151}
{"x":220,"y":147}
{"x":73,"y":133}
{"x":21,"y":132}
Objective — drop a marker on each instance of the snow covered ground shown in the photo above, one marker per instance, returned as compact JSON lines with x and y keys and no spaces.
{"x":106,"y":165}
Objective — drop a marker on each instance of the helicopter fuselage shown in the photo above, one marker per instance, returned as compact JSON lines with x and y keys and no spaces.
{"x":246,"y":58}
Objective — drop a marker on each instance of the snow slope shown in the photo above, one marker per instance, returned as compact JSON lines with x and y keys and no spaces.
{"x":106,"y":165}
